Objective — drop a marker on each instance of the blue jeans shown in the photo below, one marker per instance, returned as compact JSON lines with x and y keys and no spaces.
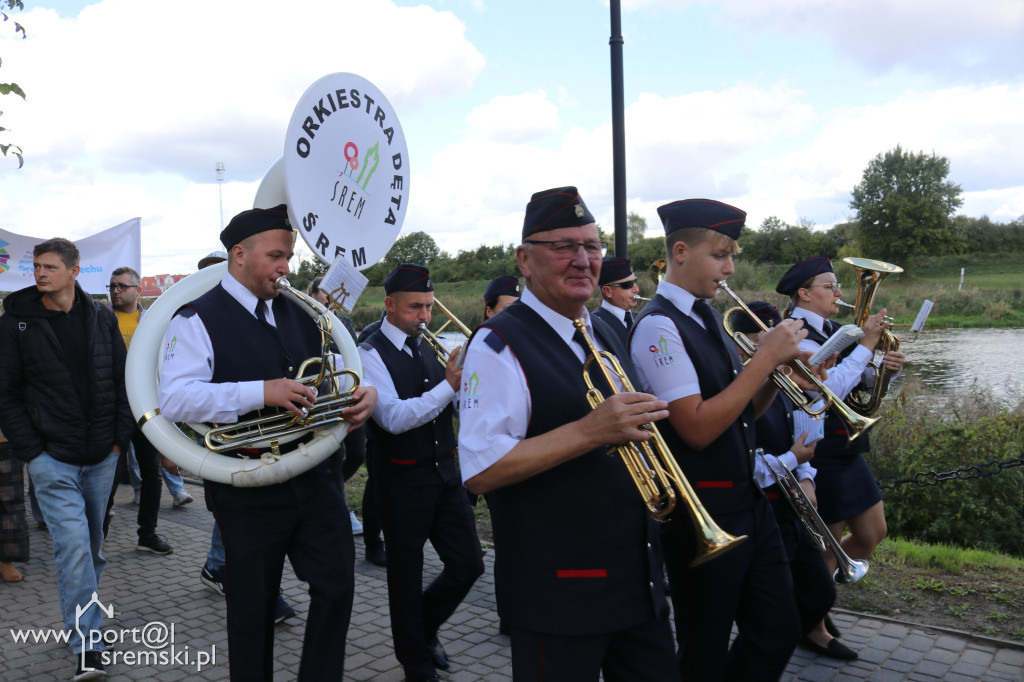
{"x":73,"y":500}
{"x":215,"y":557}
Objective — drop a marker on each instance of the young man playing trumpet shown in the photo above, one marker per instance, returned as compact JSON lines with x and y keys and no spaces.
{"x":684,"y":357}
{"x":578,"y":599}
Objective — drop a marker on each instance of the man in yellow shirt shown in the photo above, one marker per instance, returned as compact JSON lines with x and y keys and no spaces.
{"x":124,"y":298}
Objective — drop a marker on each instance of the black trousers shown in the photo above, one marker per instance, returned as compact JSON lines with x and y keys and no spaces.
{"x":750,"y":584}
{"x":148,"y":458}
{"x":815,"y":590}
{"x":438,"y":512}
{"x":306,"y":520}
{"x":373,"y":524}
{"x":643,"y":653}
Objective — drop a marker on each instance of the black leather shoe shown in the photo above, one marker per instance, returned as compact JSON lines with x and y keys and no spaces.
{"x":413,"y":677}
{"x":835,"y":649}
{"x":438,"y":655}
{"x":831,"y":628}
{"x":377,"y":555}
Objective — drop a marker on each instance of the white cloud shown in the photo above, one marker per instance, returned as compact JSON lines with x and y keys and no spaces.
{"x":514,"y":118}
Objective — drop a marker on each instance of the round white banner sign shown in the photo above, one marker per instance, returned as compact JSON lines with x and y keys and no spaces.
{"x":346,"y":170}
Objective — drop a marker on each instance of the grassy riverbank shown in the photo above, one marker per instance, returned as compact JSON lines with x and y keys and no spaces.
{"x":992,"y":294}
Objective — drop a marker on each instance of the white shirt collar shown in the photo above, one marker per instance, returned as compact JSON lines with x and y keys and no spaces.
{"x":615,"y":310}
{"x":813,"y":319}
{"x":393,"y":334}
{"x":562,"y":325}
{"x":245,"y":298}
{"x":679,"y":297}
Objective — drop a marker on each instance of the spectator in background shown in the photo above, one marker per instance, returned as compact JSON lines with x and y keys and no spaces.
{"x":13,"y":527}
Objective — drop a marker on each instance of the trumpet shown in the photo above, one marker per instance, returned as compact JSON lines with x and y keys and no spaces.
{"x":653,"y":467}
{"x":281,"y":426}
{"x":847,"y":570}
{"x":856,"y":424}
{"x":433,"y":339}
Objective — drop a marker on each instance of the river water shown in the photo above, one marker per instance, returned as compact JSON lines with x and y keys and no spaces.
{"x":946,"y":361}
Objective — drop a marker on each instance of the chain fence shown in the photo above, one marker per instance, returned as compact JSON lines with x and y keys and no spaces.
{"x":924,"y":478}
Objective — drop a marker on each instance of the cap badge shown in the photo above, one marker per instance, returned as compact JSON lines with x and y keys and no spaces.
{"x":579,"y":211}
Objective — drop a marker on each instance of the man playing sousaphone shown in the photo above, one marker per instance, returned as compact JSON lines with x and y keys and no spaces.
{"x":228,"y":353}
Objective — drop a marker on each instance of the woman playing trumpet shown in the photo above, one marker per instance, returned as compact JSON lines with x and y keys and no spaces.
{"x":848,"y":495}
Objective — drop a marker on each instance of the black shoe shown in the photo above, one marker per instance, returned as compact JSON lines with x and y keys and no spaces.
{"x":377,"y":555}
{"x":413,"y":677}
{"x":835,"y":649}
{"x":831,"y":628}
{"x":155,"y":544}
{"x":92,"y":668}
{"x":283,"y":610}
{"x":437,"y":654}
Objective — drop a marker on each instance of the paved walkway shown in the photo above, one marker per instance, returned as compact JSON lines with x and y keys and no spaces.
{"x":151,"y":594}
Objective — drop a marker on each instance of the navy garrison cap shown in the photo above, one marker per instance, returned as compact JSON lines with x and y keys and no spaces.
{"x":707,"y":213}
{"x":614,"y":268}
{"x":506,"y":285}
{"x":248,"y":223}
{"x":801,"y":272}
{"x":555,"y":208}
{"x":766,"y":312}
{"x":408,"y":277}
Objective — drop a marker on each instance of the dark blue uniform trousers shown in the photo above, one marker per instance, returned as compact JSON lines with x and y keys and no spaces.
{"x":750,"y":584}
{"x":307,"y":520}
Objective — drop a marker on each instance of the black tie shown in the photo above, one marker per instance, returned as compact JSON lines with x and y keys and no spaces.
{"x":629,"y":320}
{"x":414,"y":345}
{"x":829,"y":327}
{"x":710,"y":323}
{"x":261,"y":311}
{"x":596,"y":375}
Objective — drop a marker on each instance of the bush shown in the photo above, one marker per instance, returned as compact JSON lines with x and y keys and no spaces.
{"x":970,"y":434}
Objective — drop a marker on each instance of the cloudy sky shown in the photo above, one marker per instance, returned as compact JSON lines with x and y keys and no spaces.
{"x":773,"y":105}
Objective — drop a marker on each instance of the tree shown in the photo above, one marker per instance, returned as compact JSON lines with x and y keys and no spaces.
{"x":12,"y":88}
{"x":415,"y":247}
{"x":905,"y":207}
{"x":636,"y":228}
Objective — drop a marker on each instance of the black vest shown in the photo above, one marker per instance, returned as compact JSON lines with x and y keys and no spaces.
{"x":620,"y":328}
{"x":722,"y":473}
{"x":575,"y":551}
{"x":425,"y":454}
{"x":836,"y":443}
{"x":775,"y":436}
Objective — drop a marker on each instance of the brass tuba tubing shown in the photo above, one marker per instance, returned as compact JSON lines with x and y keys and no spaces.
{"x":653,"y":468}
{"x":847,"y":570}
{"x":856,"y":424}
{"x":870,"y":274}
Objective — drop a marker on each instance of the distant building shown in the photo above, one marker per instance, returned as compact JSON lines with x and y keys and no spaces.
{"x":158,"y":284}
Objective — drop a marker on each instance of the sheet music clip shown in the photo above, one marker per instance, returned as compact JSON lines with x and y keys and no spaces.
{"x":343,"y":285}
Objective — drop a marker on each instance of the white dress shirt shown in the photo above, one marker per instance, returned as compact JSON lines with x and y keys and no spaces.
{"x":392,"y":413}
{"x":186,"y":393}
{"x":495,"y":403}
{"x":849,"y":371}
{"x":619,"y":313}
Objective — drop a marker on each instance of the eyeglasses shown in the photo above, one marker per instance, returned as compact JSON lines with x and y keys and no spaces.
{"x":567,"y":247}
{"x":623,"y":285}
{"x":831,"y":286}
{"x":122,"y":287}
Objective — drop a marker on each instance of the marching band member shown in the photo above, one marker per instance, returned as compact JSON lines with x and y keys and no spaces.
{"x":229,"y":353}
{"x":814,"y":588}
{"x":422,"y":499}
{"x":618,"y":294}
{"x":684,"y":357}
{"x":848,"y":494}
{"x":578,"y":599}
{"x":499,"y":294}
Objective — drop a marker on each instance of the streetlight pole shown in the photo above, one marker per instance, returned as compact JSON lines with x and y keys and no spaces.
{"x":618,"y":133}
{"x":219,"y":168}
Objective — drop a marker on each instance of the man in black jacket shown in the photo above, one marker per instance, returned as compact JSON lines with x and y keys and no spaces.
{"x":64,"y":409}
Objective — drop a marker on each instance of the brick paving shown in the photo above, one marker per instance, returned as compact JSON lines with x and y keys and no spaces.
{"x":151,"y":591}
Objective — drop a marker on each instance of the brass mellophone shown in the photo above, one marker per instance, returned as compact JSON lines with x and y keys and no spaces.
{"x":652,"y":466}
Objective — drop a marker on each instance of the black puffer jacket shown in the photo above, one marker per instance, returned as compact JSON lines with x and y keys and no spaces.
{"x":40,"y":410}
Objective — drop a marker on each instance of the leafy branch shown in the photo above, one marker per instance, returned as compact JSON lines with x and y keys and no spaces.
{"x":9,"y":88}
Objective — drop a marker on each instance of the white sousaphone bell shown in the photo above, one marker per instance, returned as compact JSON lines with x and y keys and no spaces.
{"x":146,"y":352}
